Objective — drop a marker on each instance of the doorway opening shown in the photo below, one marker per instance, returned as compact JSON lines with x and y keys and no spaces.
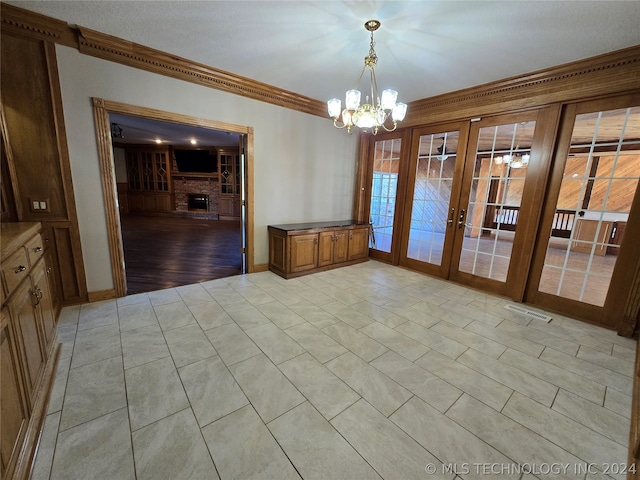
{"x":173,"y":218}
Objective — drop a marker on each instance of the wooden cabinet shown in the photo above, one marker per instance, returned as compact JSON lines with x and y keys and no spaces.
{"x":587,"y":233}
{"x":13,"y":400}
{"x":149,"y":180}
{"x":28,"y":345}
{"x":229,"y":183}
{"x":298,"y":249}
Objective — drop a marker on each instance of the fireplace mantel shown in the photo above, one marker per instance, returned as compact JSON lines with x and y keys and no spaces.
{"x":180,"y":175}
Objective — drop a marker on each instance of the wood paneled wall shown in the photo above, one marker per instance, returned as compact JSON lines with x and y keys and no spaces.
{"x":37,"y":157}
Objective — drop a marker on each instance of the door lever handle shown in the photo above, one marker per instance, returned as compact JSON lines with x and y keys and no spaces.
{"x":461,"y":219}
{"x":452,"y":214}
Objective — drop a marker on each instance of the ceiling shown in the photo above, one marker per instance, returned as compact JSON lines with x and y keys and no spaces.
{"x":316,"y":48}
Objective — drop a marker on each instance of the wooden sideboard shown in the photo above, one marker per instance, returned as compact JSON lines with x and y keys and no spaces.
{"x":301,"y":248}
{"x":28,"y":344}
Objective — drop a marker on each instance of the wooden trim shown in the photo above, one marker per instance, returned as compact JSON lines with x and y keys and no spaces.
{"x":261,"y":267}
{"x":102,"y":108}
{"x":35,"y":25}
{"x":360,"y":213}
{"x":99,"y":295}
{"x":634,"y":431}
{"x":629,"y":321}
{"x":135,"y":55}
{"x":531,"y":205}
{"x":614,"y":72}
{"x":249,"y":201}
{"x":110,"y":195}
{"x":65,"y":167}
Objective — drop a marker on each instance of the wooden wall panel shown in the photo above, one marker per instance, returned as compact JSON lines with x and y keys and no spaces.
{"x":31,"y":128}
{"x":67,"y":263}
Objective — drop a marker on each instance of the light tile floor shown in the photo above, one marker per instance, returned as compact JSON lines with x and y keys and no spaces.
{"x":366,"y":371}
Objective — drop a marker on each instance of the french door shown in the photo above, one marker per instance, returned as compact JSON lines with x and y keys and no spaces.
{"x":591,"y":225}
{"x":468,"y":210}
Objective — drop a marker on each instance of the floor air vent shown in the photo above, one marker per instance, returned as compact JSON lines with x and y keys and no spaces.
{"x":528,"y":313}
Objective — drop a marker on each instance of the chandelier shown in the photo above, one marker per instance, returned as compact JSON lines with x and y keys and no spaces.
{"x":513,"y":160}
{"x":368,"y":116}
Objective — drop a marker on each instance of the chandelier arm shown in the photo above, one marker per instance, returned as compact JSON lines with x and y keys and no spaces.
{"x":395,"y":125}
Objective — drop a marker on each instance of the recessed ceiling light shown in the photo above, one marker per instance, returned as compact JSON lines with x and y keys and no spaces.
{"x":158,"y":140}
{"x":193,"y":141}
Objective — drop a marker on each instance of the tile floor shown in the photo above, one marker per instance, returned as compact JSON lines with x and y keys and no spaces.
{"x":368,"y":371}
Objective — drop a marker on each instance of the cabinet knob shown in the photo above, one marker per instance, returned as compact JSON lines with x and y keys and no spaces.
{"x":37,"y":249}
{"x":36,"y":296}
{"x":21,"y":268}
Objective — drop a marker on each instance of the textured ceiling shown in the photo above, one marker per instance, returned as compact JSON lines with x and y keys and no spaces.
{"x":316,"y":48}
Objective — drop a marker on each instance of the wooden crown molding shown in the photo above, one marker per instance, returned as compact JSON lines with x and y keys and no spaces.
{"x":26,"y":23}
{"x":31,"y":24}
{"x":606,"y":74}
{"x":132,"y":54}
{"x":615,"y":72}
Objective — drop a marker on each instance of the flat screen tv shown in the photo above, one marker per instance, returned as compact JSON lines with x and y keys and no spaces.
{"x":196,"y":161}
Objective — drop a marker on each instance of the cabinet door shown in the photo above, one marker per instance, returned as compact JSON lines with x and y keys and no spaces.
{"x":340,"y":246}
{"x":23,"y":317}
{"x":325,"y":248}
{"x":225,"y":206}
{"x":13,"y":406}
{"x":44,"y":303}
{"x":587,"y":234}
{"x":358,"y":243}
{"x":304,"y":252}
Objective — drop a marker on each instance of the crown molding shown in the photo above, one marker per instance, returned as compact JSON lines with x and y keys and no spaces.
{"x":611,"y":73}
{"x":132,"y":54}
{"x":26,"y":23}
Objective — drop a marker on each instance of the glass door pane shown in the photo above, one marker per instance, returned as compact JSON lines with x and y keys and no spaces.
{"x":432,"y":213}
{"x":493,"y":208}
{"x":598,"y":186}
{"x":384,"y":186}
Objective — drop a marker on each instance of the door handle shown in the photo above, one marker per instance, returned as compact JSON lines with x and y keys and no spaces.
{"x":461,"y":219}
{"x":452,"y":214}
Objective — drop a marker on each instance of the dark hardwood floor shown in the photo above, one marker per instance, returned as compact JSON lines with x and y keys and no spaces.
{"x":168,"y":251}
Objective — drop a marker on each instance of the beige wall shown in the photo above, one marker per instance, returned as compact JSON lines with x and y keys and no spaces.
{"x":303,"y":167}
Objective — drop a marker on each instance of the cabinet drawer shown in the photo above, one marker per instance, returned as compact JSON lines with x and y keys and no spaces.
{"x":14,"y":269}
{"x":35,"y":249}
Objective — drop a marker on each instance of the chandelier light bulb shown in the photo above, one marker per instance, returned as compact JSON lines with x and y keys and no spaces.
{"x":399,"y":111}
{"x":334,"y":106}
{"x":389,"y":98}
{"x":352,"y":101}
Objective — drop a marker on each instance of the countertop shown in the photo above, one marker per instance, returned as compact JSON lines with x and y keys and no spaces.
{"x":15,"y":234}
{"x":292,"y":227}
